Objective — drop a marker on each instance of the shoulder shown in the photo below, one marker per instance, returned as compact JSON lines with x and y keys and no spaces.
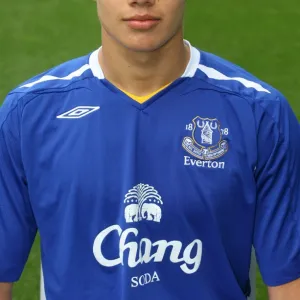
{"x":60,"y":76}
{"x":268,"y":105}
{"x":67,"y":76}
{"x":227,"y":77}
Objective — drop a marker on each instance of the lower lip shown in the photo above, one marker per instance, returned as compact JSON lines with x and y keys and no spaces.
{"x":142,"y":25}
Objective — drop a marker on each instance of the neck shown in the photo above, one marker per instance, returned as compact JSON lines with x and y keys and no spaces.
{"x":141,"y":73}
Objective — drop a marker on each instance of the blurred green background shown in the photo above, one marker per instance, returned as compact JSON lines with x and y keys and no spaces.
{"x":261,"y":36}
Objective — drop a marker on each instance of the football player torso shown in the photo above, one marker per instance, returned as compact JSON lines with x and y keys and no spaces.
{"x":142,"y":201}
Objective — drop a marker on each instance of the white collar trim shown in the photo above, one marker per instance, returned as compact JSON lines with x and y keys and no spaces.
{"x":189,"y":71}
{"x":193,"y":64}
{"x":94,"y":64}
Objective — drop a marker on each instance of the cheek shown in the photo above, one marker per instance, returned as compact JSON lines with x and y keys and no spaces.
{"x":175,"y":7}
{"x":174,"y":20}
{"x":106,"y":11}
{"x":175,"y":13}
{"x":105,"y":17}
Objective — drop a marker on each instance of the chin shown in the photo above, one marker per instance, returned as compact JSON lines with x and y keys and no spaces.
{"x":143,"y":43}
{"x":142,"y":47}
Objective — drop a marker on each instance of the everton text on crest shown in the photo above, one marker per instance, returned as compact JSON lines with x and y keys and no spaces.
{"x":206,"y":142}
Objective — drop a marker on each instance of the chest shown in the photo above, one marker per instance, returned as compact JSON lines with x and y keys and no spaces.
{"x":193,"y":156}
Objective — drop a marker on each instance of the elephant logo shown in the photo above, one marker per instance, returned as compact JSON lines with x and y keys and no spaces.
{"x":143,"y":203}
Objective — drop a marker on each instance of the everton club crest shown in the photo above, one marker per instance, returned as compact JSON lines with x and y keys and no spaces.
{"x":206,"y":142}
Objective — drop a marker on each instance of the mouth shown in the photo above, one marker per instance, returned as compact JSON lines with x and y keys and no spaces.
{"x":142,"y":22}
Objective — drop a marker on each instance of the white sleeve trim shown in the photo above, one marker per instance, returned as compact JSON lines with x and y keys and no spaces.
{"x":45,"y":78}
{"x":214,"y":74}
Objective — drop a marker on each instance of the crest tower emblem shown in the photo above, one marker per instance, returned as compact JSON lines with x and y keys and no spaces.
{"x":206,"y":142}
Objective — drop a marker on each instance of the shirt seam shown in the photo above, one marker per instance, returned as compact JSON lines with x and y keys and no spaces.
{"x":245,"y":98}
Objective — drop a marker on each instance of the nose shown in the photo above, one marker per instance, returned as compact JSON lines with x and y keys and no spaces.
{"x":142,"y":2}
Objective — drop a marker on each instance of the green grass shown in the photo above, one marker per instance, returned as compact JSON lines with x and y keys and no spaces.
{"x":261,"y":36}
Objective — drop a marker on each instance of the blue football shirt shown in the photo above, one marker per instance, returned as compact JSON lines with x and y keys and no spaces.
{"x":160,"y":200}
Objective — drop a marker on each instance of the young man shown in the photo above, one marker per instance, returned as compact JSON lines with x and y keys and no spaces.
{"x":149,"y":168}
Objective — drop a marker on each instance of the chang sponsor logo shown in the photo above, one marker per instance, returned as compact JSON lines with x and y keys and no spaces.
{"x":144,"y":204}
{"x":144,"y":251}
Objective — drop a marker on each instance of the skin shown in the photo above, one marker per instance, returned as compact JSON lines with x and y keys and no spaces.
{"x":288,"y":291}
{"x":142,"y":61}
{"x":6,"y":291}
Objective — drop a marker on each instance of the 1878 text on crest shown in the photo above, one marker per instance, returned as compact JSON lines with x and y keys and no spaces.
{"x":206,"y":141}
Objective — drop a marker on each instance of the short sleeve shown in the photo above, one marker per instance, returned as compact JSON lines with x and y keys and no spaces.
{"x":17,"y":223}
{"x":277,"y":223}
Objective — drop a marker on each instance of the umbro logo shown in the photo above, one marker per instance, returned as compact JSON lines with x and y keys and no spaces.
{"x":78,"y":112}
